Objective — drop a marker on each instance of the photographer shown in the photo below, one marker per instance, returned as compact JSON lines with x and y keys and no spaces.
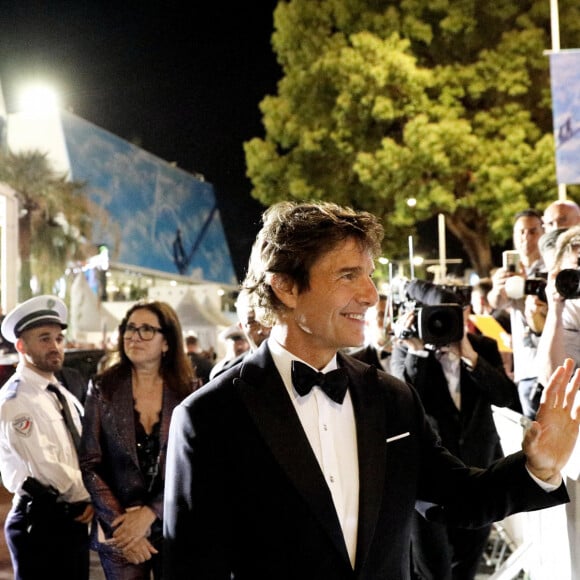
{"x":527,"y":313}
{"x":560,"y":334}
{"x":457,"y":382}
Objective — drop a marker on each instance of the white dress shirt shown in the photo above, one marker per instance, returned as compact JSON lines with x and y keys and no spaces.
{"x":34,"y":440}
{"x":571,"y":329}
{"x":331,"y":431}
{"x":451,"y":365}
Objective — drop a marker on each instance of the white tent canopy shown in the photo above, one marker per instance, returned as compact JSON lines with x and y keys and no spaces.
{"x":91,"y":321}
{"x":195,"y":310}
{"x":87,"y":317}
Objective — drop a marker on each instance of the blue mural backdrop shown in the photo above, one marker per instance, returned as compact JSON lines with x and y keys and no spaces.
{"x":149,"y":213}
{"x":565,"y":82}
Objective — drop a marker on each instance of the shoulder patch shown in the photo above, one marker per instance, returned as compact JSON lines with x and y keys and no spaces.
{"x":22,"y":425}
{"x":9,"y":390}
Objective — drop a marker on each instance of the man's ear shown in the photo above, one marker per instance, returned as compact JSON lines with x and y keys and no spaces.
{"x":19,"y":346}
{"x":285,"y":289}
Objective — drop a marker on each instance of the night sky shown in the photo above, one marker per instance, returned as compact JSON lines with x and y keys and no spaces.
{"x":181,"y":80}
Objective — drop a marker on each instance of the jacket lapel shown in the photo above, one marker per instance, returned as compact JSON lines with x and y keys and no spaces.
{"x":266,"y":399}
{"x":370,"y":418}
{"x":124,"y":417}
{"x":170,"y":401}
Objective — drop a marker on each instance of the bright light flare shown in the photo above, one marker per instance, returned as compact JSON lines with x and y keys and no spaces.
{"x":38,"y":98}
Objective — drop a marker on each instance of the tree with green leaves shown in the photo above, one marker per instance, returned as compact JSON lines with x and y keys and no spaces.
{"x":54,"y":221}
{"x":445,"y":102}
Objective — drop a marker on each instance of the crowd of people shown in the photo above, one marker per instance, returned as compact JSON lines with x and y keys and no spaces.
{"x":316,"y":451}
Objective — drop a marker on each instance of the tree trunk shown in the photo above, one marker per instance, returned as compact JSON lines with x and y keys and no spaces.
{"x":24,"y":245}
{"x":475,"y":241}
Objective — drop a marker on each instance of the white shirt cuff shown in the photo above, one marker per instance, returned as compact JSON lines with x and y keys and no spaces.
{"x":548,"y":487}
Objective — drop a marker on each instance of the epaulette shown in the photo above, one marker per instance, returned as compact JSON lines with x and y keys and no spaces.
{"x":9,"y":390}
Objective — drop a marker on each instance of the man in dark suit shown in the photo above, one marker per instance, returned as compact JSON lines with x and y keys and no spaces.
{"x":199,"y":359}
{"x":74,"y":381}
{"x":377,"y":351}
{"x":458,"y":382}
{"x":253,"y":330}
{"x":268,"y":479}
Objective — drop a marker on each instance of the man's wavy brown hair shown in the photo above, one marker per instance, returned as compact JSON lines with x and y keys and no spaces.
{"x":293,"y":237}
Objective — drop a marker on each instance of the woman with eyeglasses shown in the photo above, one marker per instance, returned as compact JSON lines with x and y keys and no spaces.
{"x":126,"y":425}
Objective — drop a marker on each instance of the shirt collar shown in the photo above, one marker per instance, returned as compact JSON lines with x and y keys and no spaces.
{"x":34,"y":378}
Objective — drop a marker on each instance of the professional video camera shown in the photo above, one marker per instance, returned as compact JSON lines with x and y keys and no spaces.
{"x":568,"y":283}
{"x":438,"y":313}
{"x":462,"y":292}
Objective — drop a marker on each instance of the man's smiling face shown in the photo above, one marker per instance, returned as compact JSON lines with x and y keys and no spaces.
{"x":331,"y":312}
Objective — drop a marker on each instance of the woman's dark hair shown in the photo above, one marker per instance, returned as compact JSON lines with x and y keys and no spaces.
{"x":293,"y":237}
{"x":176,"y":369}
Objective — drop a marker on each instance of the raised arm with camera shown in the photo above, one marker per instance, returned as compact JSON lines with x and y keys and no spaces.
{"x":429,"y":336}
{"x":526,"y":311}
{"x":560,"y":335}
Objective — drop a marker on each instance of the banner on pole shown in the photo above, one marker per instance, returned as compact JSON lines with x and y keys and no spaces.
{"x":565,"y":83}
{"x":3,"y":121}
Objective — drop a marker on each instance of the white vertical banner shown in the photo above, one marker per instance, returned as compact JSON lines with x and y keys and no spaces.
{"x":565,"y":83}
{"x":3,"y":120}
{"x":442,"y":248}
{"x":2,"y":103}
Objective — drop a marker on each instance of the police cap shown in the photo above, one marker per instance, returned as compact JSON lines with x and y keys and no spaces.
{"x":32,"y":313}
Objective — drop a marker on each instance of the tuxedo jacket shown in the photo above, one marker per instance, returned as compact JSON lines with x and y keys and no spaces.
{"x":246,"y":499}
{"x":228,"y":365}
{"x":108,"y":453}
{"x":371,"y":355}
{"x":368,"y":354}
{"x":470,"y":433}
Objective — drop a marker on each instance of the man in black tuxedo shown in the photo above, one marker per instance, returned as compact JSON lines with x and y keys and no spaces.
{"x":269,"y":479}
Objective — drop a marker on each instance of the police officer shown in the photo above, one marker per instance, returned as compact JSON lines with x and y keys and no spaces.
{"x":47,"y":527}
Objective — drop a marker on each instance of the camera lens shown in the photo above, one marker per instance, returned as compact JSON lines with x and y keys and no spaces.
{"x":568,"y":283}
{"x":536,"y":287}
{"x":438,"y":323}
{"x":441,"y":324}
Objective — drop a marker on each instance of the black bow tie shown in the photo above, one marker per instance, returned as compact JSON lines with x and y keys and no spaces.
{"x":333,"y":383}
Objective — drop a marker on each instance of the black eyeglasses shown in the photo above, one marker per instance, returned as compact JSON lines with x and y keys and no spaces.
{"x":145,"y":331}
